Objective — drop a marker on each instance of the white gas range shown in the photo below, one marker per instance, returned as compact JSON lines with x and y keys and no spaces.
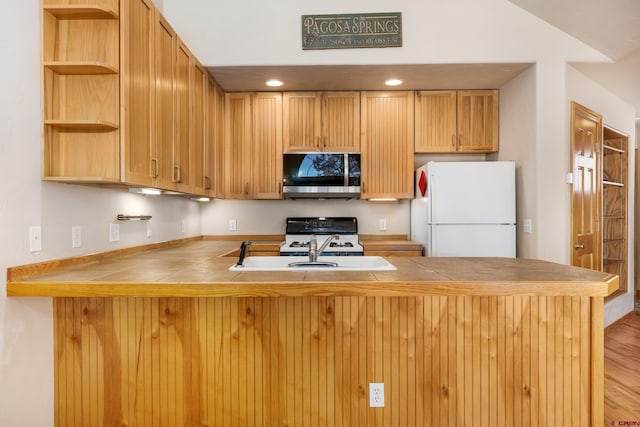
{"x":300,"y":229}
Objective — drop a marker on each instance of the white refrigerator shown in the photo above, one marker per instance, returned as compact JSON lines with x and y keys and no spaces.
{"x":465,"y":209}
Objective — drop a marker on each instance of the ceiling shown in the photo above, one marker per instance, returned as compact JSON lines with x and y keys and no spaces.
{"x":609,"y":26}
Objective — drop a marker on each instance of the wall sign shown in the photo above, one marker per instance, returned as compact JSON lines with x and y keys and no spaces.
{"x":352,"y":31}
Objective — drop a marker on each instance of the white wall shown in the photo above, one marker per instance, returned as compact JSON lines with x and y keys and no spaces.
{"x":619,"y":115}
{"x":455,"y":31}
{"x":518,"y":143}
{"x":26,"y":338}
{"x":268,"y":216}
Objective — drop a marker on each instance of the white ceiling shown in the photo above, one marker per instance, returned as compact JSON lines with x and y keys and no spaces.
{"x":609,"y":26}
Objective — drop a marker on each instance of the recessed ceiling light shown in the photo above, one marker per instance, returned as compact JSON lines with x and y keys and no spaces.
{"x":274,"y":83}
{"x":393,"y":82}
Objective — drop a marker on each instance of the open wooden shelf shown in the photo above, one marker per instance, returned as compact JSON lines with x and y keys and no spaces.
{"x":80,"y":11}
{"x":80,"y":67}
{"x":614,"y":206}
{"x":86,"y":125}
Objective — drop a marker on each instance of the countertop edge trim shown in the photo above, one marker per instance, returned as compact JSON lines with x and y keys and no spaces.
{"x":305,"y":289}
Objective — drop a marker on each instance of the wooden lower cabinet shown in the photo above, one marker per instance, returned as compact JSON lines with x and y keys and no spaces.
{"x":293,"y":361}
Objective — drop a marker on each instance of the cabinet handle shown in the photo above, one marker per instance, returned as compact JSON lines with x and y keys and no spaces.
{"x":246,"y":188}
{"x":154,"y":168}
{"x":279,"y":188}
{"x":453,"y":140}
{"x":325,"y":139}
{"x":177,"y":174}
{"x":578,"y":246}
{"x":207,"y":183}
{"x":317,"y":142}
{"x":459,"y":140}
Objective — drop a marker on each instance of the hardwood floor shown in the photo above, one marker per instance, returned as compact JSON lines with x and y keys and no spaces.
{"x":622,"y":372}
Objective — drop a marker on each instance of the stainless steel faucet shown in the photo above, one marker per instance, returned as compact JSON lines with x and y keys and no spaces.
{"x":314,"y":252}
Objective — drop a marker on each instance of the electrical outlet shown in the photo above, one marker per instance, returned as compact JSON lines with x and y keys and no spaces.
{"x":233,"y":226}
{"x":76,"y":236}
{"x":527,"y":225}
{"x":376,"y":395}
{"x":35,"y":238}
{"x":114,"y":233}
{"x":383,"y":224}
{"x":149,"y":233}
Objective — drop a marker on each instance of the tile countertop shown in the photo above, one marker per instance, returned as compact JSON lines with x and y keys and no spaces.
{"x":197,"y":267}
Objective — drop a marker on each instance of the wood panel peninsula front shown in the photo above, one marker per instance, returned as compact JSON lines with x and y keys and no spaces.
{"x":170,"y":336}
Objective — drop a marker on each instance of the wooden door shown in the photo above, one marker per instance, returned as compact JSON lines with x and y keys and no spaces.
{"x":387,"y":145}
{"x":301,"y":121}
{"x":340,"y":116}
{"x":586,"y":138}
{"x":164,"y":49}
{"x":138,"y":86}
{"x":199,"y":151}
{"x":181,"y":142}
{"x":238,"y":145}
{"x":265,"y":159}
{"x":435,"y":121}
{"x":478,"y":121}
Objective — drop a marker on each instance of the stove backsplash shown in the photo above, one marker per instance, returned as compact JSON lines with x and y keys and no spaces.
{"x":268,"y":216}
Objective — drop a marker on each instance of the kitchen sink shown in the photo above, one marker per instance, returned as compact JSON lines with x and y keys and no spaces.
{"x":324,"y":263}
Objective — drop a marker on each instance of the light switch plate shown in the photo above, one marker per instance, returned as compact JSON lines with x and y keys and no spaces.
{"x":35,"y":238}
{"x":76,"y":236}
{"x":114,"y":233}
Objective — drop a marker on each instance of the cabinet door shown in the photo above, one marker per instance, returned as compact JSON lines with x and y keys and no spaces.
{"x":478,"y":120}
{"x":301,"y":121}
{"x":387,"y":145}
{"x":340,"y":122}
{"x":214,"y":139}
{"x":266,"y":146}
{"x":238,"y":145}
{"x":164,"y":49}
{"x":218,"y":189}
{"x":199,"y":149}
{"x":137,"y":18}
{"x":181,"y":141}
{"x":435,"y":117}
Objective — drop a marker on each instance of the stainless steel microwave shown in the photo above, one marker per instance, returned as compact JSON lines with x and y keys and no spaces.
{"x":321,"y":175}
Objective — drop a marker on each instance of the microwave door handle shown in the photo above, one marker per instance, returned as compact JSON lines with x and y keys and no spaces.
{"x":345,"y":161}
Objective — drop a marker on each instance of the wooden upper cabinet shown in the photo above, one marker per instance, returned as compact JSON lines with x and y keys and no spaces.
{"x":182,"y":121}
{"x":478,"y":120}
{"x":138,"y":85}
{"x":321,"y":121}
{"x":457,"y":121}
{"x":164,"y":60}
{"x":387,"y":144}
{"x":214,"y":133}
{"x":253,"y":146}
{"x":237,"y":145}
{"x":435,"y":123}
{"x":265,"y":162}
{"x":199,"y":153}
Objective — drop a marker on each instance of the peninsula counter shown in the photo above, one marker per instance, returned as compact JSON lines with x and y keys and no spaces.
{"x":170,"y":336}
